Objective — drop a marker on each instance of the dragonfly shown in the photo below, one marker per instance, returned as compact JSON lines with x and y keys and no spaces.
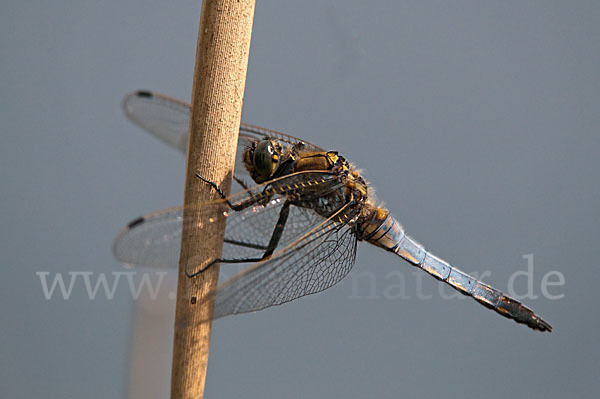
{"x":296,"y":221}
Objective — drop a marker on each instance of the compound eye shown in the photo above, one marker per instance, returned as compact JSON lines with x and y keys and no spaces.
{"x":265,"y":158}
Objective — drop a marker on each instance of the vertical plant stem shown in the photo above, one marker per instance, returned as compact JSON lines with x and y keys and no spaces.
{"x":219,"y":79}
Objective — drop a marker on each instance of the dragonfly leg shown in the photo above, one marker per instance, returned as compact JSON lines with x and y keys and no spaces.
{"x":218,"y":189}
{"x":214,"y":186}
{"x":235,"y":207}
{"x":254,"y":198}
{"x":278,"y":230}
{"x":219,"y":260}
{"x":273,"y":242}
{"x":241,"y":182}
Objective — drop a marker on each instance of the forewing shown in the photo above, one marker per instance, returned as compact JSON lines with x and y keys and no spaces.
{"x":154,"y":240}
{"x":258,"y":133}
{"x":168,"y":119}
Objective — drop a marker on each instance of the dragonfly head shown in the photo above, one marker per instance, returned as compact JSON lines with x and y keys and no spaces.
{"x":262,"y":159}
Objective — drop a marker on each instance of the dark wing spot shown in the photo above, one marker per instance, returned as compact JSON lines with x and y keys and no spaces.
{"x":144,"y":93}
{"x":136,"y":222}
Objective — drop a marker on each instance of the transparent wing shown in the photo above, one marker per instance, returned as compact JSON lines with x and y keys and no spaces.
{"x":168,"y":119}
{"x":154,"y":240}
{"x":314,"y":262}
{"x":254,"y":133}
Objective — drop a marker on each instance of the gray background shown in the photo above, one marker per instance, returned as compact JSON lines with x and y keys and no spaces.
{"x":477,"y":122}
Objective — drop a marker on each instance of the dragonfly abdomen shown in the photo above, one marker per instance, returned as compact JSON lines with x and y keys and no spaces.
{"x":384,"y":231}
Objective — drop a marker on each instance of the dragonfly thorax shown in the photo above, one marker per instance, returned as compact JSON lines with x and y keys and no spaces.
{"x":269,"y":159}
